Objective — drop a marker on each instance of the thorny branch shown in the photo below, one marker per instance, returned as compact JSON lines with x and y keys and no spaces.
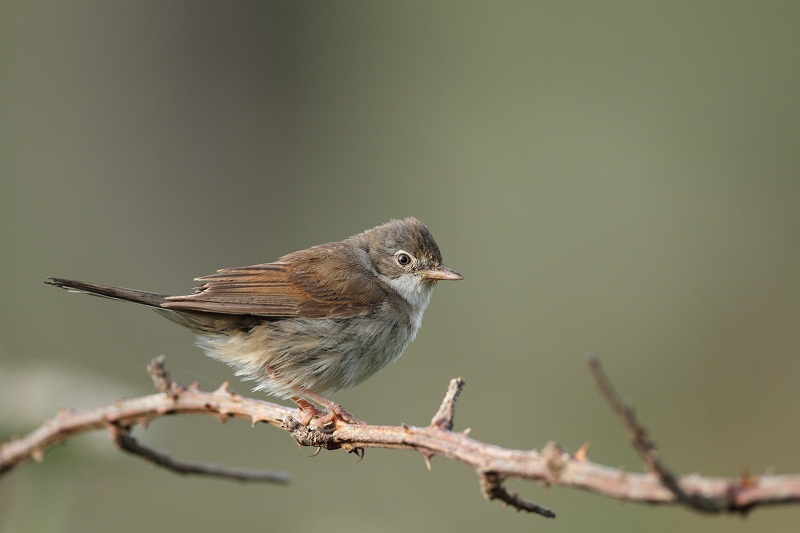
{"x":553,"y":465}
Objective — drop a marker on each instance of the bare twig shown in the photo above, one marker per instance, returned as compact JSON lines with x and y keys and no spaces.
{"x":158,"y":372}
{"x":647,"y":450}
{"x":553,"y":465}
{"x":444,"y":416}
{"x":492,"y":489}
{"x":124,"y":441}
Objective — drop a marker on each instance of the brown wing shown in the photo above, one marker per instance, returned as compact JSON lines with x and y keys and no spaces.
{"x":314,"y":283}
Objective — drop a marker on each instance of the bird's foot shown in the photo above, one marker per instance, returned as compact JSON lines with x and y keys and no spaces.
{"x":336,"y":416}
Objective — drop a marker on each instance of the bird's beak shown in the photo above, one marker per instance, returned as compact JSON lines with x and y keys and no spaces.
{"x":440,"y":272}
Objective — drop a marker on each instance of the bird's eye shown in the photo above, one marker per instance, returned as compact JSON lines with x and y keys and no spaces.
{"x":402,"y":258}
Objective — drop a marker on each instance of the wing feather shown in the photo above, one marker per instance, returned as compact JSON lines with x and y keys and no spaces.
{"x":321,"y":282}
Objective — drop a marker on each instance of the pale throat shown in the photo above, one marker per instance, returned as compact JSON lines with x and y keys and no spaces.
{"x":416,"y":292}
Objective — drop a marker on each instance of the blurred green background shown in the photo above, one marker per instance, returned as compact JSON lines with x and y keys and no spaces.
{"x":620,"y":176}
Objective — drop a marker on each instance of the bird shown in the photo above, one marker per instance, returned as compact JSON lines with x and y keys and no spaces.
{"x":315,"y":321}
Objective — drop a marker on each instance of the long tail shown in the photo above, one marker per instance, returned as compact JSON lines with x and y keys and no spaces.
{"x":151,"y":299}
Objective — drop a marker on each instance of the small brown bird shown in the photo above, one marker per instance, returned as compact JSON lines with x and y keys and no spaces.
{"x":314,"y":321}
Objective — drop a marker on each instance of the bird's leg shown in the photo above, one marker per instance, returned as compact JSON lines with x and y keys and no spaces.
{"x":310,"y":415}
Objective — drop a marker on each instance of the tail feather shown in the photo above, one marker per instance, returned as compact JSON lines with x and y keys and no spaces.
{"x":151,"y":299}
{"x":200,"y":322}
